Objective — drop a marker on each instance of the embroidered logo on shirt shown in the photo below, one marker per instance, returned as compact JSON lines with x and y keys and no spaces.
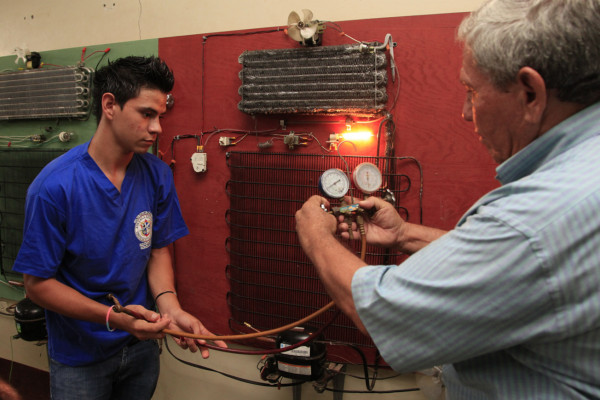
{"x":143,"y":229}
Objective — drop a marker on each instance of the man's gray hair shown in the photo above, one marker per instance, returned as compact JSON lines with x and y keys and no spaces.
{"x":560,"y":39}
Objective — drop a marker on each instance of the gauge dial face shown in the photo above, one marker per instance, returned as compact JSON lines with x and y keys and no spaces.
{"x":334,"y":183}
{"x":367,"y":177}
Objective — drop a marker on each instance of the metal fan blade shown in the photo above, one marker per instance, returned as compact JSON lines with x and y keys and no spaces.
{"x":308,"y":16}
{"x":309,"y":31}
{"x":293,"y":18}
{"x":294,"y":33}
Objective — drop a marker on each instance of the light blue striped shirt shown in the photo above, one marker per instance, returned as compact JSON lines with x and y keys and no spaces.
{"x":511,"y":296}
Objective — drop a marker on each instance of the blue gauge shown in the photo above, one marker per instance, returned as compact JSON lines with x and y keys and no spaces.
{"x":334,"y":183}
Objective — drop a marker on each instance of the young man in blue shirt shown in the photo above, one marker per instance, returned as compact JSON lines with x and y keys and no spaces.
{"x":98,"y":221}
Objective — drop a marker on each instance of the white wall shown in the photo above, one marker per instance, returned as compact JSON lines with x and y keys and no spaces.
{"x":42,"y":25}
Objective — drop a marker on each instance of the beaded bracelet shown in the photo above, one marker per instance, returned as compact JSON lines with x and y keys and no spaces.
{"x":161,"y":293}
{"x":107,"y":315}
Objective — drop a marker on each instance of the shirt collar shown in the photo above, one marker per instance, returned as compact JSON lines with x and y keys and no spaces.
{"x":558,"y":139}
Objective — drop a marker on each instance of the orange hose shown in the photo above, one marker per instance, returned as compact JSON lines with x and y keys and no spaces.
{"x":251,"y":335}
{"x":182,"y":334}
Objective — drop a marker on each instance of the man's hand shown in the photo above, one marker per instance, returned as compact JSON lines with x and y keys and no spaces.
{"x":146,"y":325}
{"x":183,"y":321}
{"x":313,"y":222}
{"x":383,"y":228}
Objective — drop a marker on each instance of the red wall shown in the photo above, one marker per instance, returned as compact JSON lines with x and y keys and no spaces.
{"x":457,"y":169}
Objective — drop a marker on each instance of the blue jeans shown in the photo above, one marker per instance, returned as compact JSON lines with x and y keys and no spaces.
{"x":131,"y":374}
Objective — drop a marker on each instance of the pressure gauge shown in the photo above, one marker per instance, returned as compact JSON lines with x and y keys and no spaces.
{"x":334,"y":183}
{"x":367,"y":177}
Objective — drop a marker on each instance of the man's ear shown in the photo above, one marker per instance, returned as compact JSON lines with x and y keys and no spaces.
{"x":534,"y":92}
{"x":108,"y":105}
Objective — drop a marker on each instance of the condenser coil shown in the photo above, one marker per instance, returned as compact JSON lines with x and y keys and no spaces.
{"x":45,"y":93}
{"x":347,"y":79}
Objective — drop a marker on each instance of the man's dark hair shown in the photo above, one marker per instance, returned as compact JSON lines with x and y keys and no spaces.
{"x":125,"y":77}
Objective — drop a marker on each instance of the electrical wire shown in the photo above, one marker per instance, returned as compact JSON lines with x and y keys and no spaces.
{"x":343,"y":159}
{"x":7,"y":312}
{"x":100,"y":60}
{"x":244,"y":133}
{"x":373,"y":392}
{"x":275,"y":134}
{"x":205,"y":39}
{"x":12,"y":360}
{"x":237,"y":378}
{"x":140,"y":20}
{"x":369,"y":384}
{"x":320,"y":145}
{"x":339,"y":29}
{"x":379,"y":378}
{"x":44,"y":64}
{"x":388,"y":117}
{"x":94,"y":52}
{"x":176,"y":138}
{"x":20,"y":138}
{"x":17,"y":141}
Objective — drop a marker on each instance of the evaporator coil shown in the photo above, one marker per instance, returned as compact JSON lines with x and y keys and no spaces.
{"x":346,"y":79}
{"x":45,"y":93}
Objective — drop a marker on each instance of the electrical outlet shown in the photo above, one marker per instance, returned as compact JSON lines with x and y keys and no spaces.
{"x":199,"y":162}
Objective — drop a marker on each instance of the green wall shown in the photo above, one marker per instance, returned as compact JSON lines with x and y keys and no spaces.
{"x":20,"y":161}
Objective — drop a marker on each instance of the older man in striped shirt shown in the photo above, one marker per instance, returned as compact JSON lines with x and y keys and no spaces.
{"x":509,"y":300}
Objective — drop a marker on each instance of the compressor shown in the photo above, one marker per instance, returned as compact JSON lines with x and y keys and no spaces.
{"x":30,"y":320}
{"x":303,"y":363}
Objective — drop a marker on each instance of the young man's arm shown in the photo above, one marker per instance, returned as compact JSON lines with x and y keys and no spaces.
{"x":60,"y":298}
{"x":162,"y":284}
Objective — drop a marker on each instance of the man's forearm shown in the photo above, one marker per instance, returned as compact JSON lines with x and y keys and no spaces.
{"x":336,"y":265}
{"x":60,"y":298}
{"x":415,"y":237}
{"x":161,"y":279}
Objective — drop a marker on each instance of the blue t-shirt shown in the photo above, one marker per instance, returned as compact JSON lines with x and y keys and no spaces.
{"x":82,"y":231}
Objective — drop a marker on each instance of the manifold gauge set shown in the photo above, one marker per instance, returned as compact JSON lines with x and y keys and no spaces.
{"x":334,"y":183}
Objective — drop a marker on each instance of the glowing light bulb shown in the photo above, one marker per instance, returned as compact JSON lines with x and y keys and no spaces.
{"x":357,"y":136}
